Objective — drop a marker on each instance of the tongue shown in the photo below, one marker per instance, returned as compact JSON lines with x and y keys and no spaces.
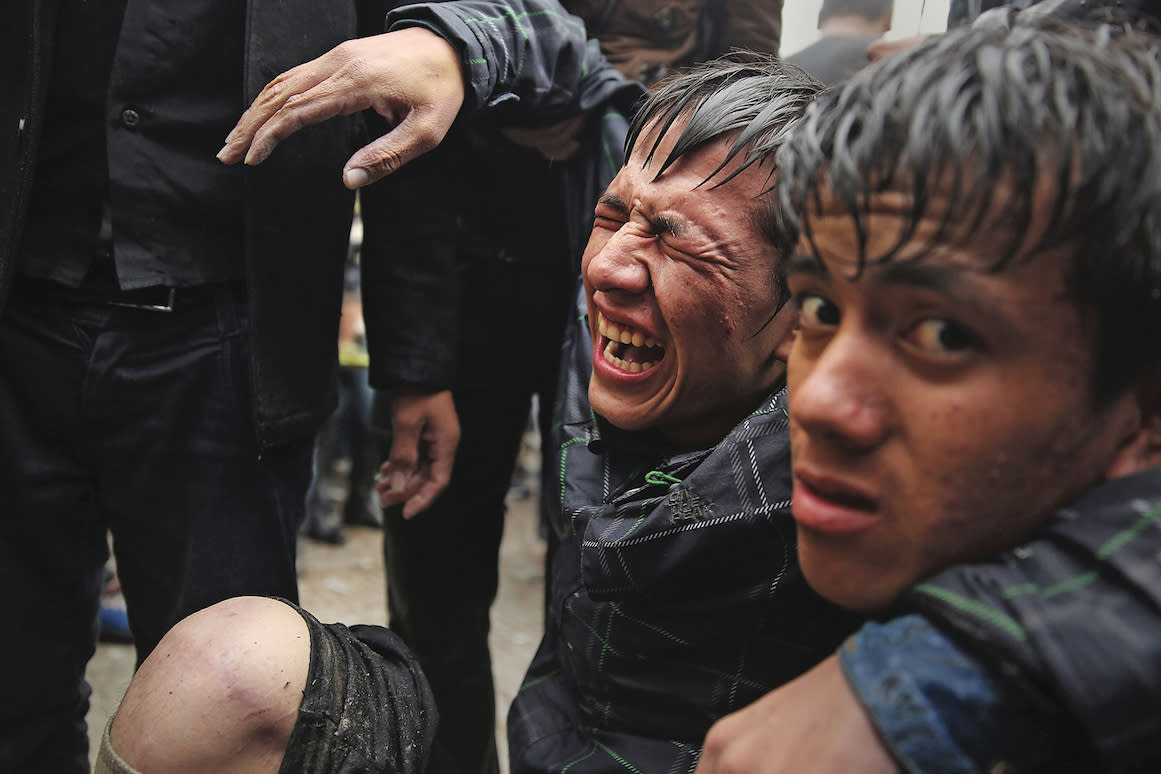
{"x":631,"y":354}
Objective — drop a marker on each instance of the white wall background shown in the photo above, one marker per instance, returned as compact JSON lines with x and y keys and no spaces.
{"x":800,"y":20}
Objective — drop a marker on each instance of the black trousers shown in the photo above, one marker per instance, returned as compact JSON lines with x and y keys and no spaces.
{"x":442,"y":565}
{"x":138,"y":424}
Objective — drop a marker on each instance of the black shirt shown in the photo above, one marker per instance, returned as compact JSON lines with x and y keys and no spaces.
{"x":142,"y":95}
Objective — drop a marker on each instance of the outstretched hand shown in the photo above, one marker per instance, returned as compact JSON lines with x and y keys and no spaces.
{"x":425,"y":432}
{"x":813,"y":723}
{"x":412,"y":77}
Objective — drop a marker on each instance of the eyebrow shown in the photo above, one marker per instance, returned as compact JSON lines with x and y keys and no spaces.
{"x":660,"y":223}
{"x":935,"y":276}
{"x":928,"y":275}
{"x":614,"y":202}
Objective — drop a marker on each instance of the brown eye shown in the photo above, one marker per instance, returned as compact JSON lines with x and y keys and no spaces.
{"x":939,"y":336}
{"x":816,"y":311}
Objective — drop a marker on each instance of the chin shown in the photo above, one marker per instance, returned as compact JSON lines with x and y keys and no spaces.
{"x":624,"y":419}
{"x":845,"y":589}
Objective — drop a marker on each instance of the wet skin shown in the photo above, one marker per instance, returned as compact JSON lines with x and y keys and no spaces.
{"x":683,"y":272}
{"x":938,"y":411}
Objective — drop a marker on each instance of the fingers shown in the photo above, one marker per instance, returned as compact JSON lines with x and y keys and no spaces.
{"x":411,"y":77}
{"x":269,"y":101}
{"x":415,"y":491}
{"x":416,"y":135}
{"x":398,"y":473}
{"x":440,"y":452}
{"x":558,"y":142}
{"x":308,"y":94}
{"x":426,"y":433}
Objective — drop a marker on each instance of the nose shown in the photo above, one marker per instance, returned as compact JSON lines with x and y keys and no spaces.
{"x":840,"y":392}
{"x":618,"y":266}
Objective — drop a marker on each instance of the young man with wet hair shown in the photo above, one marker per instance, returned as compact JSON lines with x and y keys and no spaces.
{"x":674,"y":594}
{"x":974,"y":409}
{"x":661,"y":623}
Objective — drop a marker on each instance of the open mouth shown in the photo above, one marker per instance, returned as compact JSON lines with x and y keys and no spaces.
{"x":838,"y":494}
{"x":626,"y":348}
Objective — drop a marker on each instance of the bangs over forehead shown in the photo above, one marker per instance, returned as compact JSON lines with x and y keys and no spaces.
{"x":758,"y":98}
{"x":1047,"y":109}
{"x":1038,"y":133}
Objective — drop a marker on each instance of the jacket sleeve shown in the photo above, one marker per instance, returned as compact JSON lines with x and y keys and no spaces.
{"x":1073,"y":615}
{"x":526,"y":62}
{"x":936,"y":708}
{"x":409,"y":276}
{"x":525,"y":59}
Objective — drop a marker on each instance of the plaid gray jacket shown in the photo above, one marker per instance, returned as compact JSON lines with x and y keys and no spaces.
{"x":675,"y":593}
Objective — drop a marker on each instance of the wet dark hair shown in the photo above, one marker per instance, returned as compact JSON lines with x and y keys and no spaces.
{"x":759,"y":99}
{"x":1067,"y":111}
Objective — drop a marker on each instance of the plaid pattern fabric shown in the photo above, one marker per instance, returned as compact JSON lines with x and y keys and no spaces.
{"x":1074,"y":613}
{"x":675,"y":595}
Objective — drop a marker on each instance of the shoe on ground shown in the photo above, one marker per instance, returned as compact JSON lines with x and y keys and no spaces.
{"x":113,"y":625}
{"x":325,"y":533}
{"x":361,"y":514}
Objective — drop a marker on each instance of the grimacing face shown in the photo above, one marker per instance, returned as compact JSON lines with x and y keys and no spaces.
{"x":680,"y":298}
{"x":938,"y":412}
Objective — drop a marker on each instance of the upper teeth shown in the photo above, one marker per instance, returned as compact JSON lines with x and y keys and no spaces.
{"x":624,"y":335}
{"x":617,"y":335}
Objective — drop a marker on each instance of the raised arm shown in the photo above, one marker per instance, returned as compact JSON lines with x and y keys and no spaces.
{"x":524,"y":58}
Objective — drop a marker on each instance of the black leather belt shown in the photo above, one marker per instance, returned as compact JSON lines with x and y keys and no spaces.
{"x":157,"y":298}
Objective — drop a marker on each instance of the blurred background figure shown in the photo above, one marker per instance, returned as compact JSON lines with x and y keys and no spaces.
{"x":341,"y":492}
{"x":847,"y":27}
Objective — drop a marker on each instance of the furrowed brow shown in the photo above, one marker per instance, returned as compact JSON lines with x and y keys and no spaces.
{"x":668,"y":225}
{"x":614,"y":202}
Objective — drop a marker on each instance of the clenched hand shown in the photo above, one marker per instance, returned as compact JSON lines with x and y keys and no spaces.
{"x":424,"y":434}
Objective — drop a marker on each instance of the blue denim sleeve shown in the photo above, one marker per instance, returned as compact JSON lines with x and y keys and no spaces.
{"x":934,"y":707}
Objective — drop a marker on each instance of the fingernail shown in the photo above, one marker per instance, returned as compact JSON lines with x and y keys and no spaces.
{"x":356,"y":177}
{"x":222,"y":152}
{"x":398,"y":481}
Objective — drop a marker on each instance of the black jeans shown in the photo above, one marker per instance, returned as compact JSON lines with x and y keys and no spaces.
{"x":442,"y":565}
{"x":138,"y":424}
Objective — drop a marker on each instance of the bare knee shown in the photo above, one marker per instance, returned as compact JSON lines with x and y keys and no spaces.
{"x":219,"y":693}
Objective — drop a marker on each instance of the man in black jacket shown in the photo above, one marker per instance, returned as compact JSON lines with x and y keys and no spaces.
{"x":167,"y":350}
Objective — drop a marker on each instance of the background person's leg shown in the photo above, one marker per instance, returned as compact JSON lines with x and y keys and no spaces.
{"x":52,"y":538}
{"x":198,"y":510}
{"x":443,"y":568}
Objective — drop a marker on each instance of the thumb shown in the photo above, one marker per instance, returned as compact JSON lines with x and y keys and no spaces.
{"x":415,"y":135}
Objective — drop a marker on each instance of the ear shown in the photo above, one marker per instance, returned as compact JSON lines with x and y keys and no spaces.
{"x":1141,"y":448}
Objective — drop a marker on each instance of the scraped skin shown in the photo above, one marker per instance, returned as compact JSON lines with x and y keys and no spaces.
{"x":682,"y":306}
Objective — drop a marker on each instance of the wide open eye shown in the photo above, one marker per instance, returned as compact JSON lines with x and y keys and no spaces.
{"x":939,"y":336}
{"x":814,"y":311}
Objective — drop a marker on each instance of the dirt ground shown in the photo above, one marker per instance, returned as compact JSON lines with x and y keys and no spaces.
{"x":345,"y":583}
